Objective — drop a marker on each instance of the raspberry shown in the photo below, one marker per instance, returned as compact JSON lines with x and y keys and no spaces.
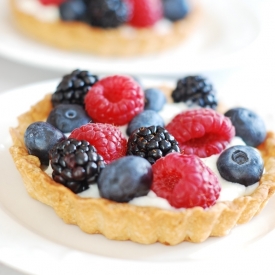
{"x":185,"y":181}
{"x":114,"y":100}
{"x":202,"y":132}
{"x":51,"y":2}
{"x":106,"y":138}
{"x":145,"y":13}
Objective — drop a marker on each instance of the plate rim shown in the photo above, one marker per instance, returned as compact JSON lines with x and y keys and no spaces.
{"x":235,"y":58}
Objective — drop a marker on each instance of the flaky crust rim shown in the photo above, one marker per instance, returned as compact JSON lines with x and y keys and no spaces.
{"x":118,"y":42}
{"x":122,"y":221}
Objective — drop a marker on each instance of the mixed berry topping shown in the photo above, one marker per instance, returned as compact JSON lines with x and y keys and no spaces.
{"x":202,"y":132}
{"x":73,"y":88}
{"x":158,"y":157}
{"x":249,"y":126}
{"x":195,"y":91}
{"x":115,"y":100}
{"x":185,"y":181}
{"x":106,"y":138}
{"x":151,"y":143}
{"x":241,"y":164}
{"x":134,"y":179}
{"x":76,"y":164}
{"x":108,"y":14}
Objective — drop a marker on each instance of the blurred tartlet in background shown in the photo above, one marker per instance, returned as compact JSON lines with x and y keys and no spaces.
{"x":108,"y":27}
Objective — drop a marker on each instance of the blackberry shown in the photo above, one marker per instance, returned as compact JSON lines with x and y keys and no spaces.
{"x":151,"y":143}
{"x":107,"y":13}
{"x":73,"y":88}
{"x":76,"y":164}
{"x":195,"y":90}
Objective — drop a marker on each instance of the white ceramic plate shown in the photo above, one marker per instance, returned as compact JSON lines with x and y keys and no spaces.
{"x":226,"y":37}
{"x":34,"y":240}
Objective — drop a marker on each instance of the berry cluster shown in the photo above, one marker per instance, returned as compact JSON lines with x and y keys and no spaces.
{"x":158,"y":157}
{"x":113,"y":13}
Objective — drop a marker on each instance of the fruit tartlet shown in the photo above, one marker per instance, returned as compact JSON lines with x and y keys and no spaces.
{"x":108,"y":27}
{"x":117,"y":159}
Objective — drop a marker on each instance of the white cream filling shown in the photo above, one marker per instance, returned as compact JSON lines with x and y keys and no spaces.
{"x":49,"y":13}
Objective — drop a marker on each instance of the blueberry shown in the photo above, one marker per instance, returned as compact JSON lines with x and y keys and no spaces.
{"x":72,"y":10}
{"x":39,"y":139}
{"x":125,"y":178}
{"x":241,"y":164}
{"x":249,"y":126}
{"x":154,"y":99}
{"x":67,"y":117}
{"x":144,"y":119}
{"x":175,"y":9}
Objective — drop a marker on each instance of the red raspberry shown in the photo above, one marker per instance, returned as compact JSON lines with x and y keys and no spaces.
{"x":115,"y":100}
{"x":185,"y":181}
{"x":202,"y":132}
{"x":145,"y":13}
{"x":52,"y":2}
{"x":106,"y":138}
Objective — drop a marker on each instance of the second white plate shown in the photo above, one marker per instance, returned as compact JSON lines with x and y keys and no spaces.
{"x":224,"y":39}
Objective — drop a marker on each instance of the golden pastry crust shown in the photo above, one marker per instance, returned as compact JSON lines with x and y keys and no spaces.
{"x":121,"y":42}
{"x":122,"y":221}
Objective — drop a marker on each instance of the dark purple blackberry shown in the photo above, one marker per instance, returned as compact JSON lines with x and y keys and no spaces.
{"x":151,"y":143}
{"x":76,"y":164}
{"x":107,"y":13}
{"x":195,"y":90}
{"x":73,"y":88}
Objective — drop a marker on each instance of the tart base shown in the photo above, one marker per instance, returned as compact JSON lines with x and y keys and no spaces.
{"x":122,"y":221}
{"x":120,"y":42}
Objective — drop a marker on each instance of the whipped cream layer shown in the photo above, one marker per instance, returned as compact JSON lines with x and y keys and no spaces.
{"x":49,"y":13}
